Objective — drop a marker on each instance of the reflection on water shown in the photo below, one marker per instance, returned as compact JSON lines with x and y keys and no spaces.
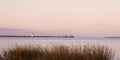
{"x":112,"y":43}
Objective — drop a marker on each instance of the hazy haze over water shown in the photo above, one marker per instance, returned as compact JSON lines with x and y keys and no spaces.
{"x":74,"y":17}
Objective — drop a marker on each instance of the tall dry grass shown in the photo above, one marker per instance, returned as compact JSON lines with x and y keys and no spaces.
{"x":86,"y":52}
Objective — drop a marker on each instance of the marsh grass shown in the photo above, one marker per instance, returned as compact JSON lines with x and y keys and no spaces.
{"x":86,"y":52}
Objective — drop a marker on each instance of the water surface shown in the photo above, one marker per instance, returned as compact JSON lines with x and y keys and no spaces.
{"x":110,"y":42}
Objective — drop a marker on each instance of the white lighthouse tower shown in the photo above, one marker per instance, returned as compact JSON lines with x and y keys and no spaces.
{"x":32,"y":35}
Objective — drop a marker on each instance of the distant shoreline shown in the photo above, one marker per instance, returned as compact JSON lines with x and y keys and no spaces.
{"x":111,"y":37}
{"x":37,"y":36}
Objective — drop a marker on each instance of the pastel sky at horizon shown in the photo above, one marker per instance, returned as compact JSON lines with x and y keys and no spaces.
{"x":77,"y":17}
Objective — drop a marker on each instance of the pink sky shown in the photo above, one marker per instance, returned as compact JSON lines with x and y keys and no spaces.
{"x":80,"y":17}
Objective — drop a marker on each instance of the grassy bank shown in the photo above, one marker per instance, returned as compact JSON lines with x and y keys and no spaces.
{"x":86,"y":52}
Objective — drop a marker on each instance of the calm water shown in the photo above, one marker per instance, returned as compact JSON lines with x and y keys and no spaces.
{"x":11,"y":42}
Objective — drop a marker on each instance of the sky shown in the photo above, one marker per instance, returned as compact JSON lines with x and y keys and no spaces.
{"x":74,"y":17}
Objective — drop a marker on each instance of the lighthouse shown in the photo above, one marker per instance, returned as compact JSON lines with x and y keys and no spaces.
{"x":32,"y":35}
